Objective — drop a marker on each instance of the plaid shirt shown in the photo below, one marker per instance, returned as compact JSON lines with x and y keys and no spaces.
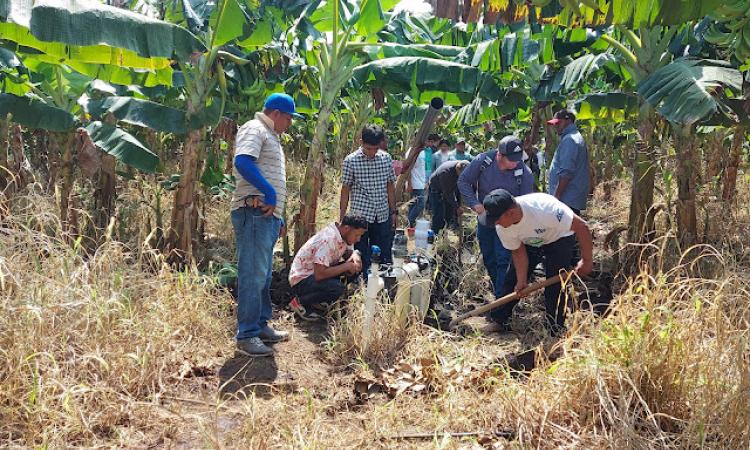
{"x":368,"y":178}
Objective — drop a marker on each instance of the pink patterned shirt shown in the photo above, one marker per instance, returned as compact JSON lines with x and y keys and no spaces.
{"x":326,"y":248}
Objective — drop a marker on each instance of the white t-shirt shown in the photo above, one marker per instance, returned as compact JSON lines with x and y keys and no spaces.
{"x":545,"y":220}
{"x":418,"y":172}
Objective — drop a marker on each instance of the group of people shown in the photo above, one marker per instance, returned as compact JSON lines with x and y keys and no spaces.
{"x":516,"y":228}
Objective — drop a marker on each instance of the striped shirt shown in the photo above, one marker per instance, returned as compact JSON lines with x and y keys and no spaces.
{"x":258,"y":139}
{"x":368,"y":178}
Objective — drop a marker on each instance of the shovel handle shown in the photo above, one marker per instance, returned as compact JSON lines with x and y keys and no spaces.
{"x":505,"y":300}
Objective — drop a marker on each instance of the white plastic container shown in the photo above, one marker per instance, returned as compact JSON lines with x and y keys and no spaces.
{"x":420,"y":234}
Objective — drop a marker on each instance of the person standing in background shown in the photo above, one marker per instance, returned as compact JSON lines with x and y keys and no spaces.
{"x":257,"y":206}
{"x":460,"y":153}
{"x":442,"y":156}
{"x":444,"y":194}
{"x":368,"y":190}
{"x":416,"y":184}
{"x":569,"y":171}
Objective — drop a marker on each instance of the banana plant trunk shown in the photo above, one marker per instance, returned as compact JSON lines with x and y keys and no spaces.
{"x":4,"y":145}
{"x":181,"y":231}
{"x":21,"y":174}
{"x":730,"y":178}
{"x":313,"y":181}
{"x":532,"y":138}
{"x":687,"y":167}
{"x":62,"y":144}
{"x":644,"y":170}
{"x":106,"y":192}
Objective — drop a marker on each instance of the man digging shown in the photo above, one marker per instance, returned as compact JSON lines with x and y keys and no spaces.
{"x":533,"y":226}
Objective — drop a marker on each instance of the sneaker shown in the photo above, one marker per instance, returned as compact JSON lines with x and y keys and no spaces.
{"x":253,"y":347}
{"x":301,"y":312}
{"x":270,"y":336}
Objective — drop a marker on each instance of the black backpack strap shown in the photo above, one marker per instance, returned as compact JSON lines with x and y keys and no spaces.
{"x":489,"y":158}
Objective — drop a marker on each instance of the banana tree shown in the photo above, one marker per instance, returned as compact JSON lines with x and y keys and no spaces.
{"x":51,"y":104}
{"x":67,"y":59}
{"x":685,"y":92}
{"x":335,"y":58}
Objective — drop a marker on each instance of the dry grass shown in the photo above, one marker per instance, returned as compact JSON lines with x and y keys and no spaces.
{"x":349,"y":342}
{"x":93,"y":348}
{"x":88,"y":341}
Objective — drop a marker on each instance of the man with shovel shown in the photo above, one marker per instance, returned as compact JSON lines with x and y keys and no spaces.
{"x":533,"y":226}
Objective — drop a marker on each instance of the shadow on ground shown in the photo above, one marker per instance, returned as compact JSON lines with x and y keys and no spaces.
{"x":241,"y":376}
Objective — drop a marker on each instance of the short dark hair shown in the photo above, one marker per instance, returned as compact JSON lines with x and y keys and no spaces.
{"x":354,"y":221}
{"x":444,"y":141}
{"x":565,"y":114}
{"x":372,"y":134}
{"x":433,"y":137}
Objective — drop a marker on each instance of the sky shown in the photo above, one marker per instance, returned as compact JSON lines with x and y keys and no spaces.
{"x":413,"y":6}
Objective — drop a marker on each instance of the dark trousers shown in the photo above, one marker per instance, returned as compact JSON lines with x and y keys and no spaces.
{"x":310,"y":291}
{"x":417,"y":206}
{"x":496,"y":258}
{"x":442,"y":212}
{"x":380,"y":234}
{"x":576,"y":249}
{"x":557,"y":255}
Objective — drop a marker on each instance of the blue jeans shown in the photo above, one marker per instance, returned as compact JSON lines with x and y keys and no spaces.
{"x":380,"y":234}
{"x":417,"y":206}
{"x":495,"y":257}
{"x":256,"y":235}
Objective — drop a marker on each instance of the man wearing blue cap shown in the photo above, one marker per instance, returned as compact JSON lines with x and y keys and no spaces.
{"x":257,"y":206}
{"x":494,"y":169}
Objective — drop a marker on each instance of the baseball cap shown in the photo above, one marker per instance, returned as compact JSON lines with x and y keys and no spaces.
{"x":511,"y":147}
{"x":281,"y":102}
{"x":460,"y":140}
{"x":495,"y":204}
{"x":563,"y":114}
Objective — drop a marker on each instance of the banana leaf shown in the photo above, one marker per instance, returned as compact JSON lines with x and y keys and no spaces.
{"x":143,"y":113}
{"x":34,"y":113}
{"x":97,"y":30}
{"x":635,"y":13}
{"x":682,"y":91}
{"x":123,"y":146}
{"x":456,"y":83}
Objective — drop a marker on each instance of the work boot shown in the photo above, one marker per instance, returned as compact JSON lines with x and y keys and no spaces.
{"x":253,"y":347}
{"x":270,"y":336}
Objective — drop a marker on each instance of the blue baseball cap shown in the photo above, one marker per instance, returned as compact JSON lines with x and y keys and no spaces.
{"x":283,"y":103}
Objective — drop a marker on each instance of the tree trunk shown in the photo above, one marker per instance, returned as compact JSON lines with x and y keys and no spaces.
{"x":226,"y":131}
{"x":54,"y":150}
{"x":106,"y":192}
{"x":313,"y":181}
{"x":687,"y":223}
{"x":644,"y":170}
{"x":62,"y":144}
{"x":181,"y":232}
{"x":39,"y":151}
{"x":532,"y":137}
{"x":20,"y":169}
{"x":730,"y":177}
{"x":4,"y":147}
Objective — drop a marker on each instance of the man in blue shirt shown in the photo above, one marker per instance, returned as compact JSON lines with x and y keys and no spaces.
{"x":569,"y":171}
{"x":495,"y":169}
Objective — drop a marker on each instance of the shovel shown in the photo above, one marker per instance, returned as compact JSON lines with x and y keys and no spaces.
{"x":505,"y":300}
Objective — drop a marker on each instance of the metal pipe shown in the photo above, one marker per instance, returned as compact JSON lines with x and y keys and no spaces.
{"x":433,"y":111}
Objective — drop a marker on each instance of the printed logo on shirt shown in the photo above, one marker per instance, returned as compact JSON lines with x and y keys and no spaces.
{"x":559,"y":214}
{"x":540,"y":230}
{"x":534,"y":241}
